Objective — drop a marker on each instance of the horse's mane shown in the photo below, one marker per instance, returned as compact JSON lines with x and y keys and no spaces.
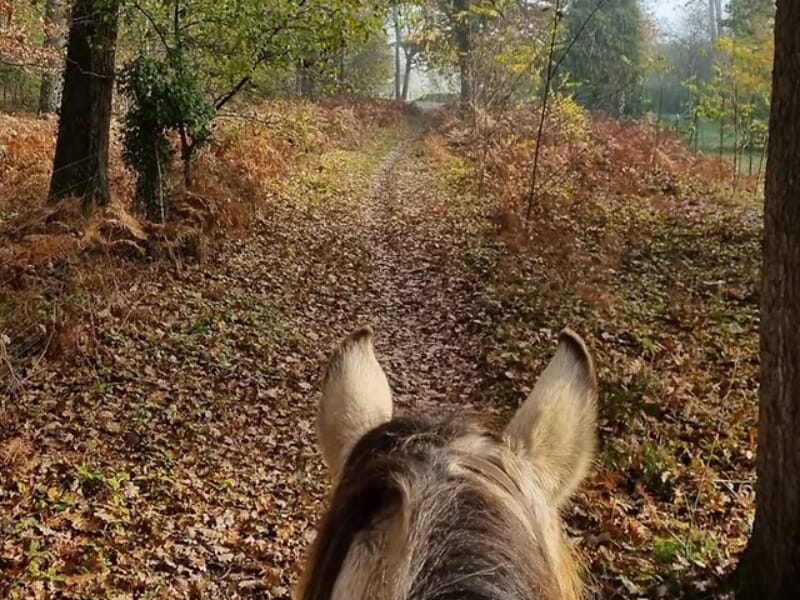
{"x":466,"y":534}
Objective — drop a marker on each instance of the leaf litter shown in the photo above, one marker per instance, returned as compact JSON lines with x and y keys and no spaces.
{"x":174,"y":455}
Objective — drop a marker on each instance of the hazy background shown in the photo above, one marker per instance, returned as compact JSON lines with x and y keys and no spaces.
{"x":667,"y":14}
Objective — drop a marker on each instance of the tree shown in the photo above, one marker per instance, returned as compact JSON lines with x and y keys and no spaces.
{"x":409,"y":31}
{"x":462,"y":18}
{"x":398,"y":40}
{"x":81,"y":158}
{"x":366,"y":67}
{"x":715,"y":18}
{"x":194,"y":58}
{"x":53,"y":39}
{"x":448,"y":39}
{"x":750,"y":18}
{"x":770,"y":567}
{"x":606,"y":60}
{"x":411,"y":52}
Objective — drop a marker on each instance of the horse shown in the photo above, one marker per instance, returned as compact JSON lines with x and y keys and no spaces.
{"x":443,"y":508}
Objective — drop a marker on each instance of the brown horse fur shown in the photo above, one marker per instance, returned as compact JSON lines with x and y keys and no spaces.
{"x":442,"y":509}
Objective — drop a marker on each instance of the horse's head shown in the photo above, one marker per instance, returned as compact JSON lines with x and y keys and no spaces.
{"x":444,"y":509}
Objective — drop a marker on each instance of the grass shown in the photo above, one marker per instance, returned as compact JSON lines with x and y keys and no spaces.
{"x":708,"y":143}
{"x":686,"y":545}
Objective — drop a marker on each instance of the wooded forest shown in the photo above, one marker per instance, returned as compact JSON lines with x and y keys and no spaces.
{"x":199,"y":199}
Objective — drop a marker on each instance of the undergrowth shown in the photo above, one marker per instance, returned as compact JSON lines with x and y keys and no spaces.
{"x":58,"y":265}
{"x":643,"y":251}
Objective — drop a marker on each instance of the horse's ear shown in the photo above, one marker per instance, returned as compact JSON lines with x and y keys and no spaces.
{"x":355,"y":398}
{"x":555,"y":428}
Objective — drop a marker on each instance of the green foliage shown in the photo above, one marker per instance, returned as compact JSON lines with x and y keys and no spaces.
{"x":686,"y":546}
{"x":188,"y":60}
{"x":20,"y":89}
{"x":256,"y":41}
{"x":750,"y":18}
{"x":165,"y":98}
{"x":607,"y":59}
{"x":367,"y":67}
{"x":363,"y":68}
{"x":499,"y":45}
{"x":737,"y":97}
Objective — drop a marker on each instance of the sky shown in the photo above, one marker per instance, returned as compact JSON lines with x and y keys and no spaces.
{"x":668,"y":11}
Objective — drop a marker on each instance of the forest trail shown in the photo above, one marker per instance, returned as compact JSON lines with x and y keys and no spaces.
{"x":414,"y":292}
{"x":179,"y":456}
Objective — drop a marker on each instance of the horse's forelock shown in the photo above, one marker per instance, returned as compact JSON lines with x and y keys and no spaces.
{"x":466,"y":531}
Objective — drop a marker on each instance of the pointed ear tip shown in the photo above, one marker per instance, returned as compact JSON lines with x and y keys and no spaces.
{"x":363,"y":334}
{"x":359,"y":338}
{"x":574,"y":345}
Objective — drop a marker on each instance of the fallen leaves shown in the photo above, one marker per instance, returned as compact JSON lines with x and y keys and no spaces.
{"x":658,"y":268}
{"x":170,"y":451}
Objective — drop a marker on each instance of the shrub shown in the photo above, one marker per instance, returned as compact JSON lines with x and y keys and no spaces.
{"x":166,"y":98}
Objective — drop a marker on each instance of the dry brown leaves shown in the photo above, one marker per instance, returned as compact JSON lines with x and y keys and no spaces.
{"x":169,"y":449}
{"x":163,"y":445}
{"x":16,"y":49}
{"x":637,"y":244}
{"x":45,"y":248}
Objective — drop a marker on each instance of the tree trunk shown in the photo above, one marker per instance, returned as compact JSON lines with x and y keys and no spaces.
{"x":770,"y":567}
{"x":54,"y":38}
{"x":80,"y":167}
{"x":397,"y":42}
{"x":713,"y":22}
{"x":341,"y":72}
{"x":406,"y":77}
{"x":463,"y":36}
{"x":718,"y":10}
{"x":304,"y":79}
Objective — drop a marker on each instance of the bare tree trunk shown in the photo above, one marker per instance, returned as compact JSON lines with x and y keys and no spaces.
{"x":304,"y":82}
{"x":406,"y":76}
{"x":721,"y":131}
{"x":762,"y":158}
{"x":750,"y":139}
{"x":341,"y":72}
{"x":770,"y":567}
{"x":464,"y":46}
{"x":735,"y":137}
{"x":54,"y":38}
{"x":80,"y":166}
{"x":551,"y":68}
{"x":398,"y":35}
{"x":714,"y":14}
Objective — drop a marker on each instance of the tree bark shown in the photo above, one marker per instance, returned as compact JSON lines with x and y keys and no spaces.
{"x":304,"y":79}
{"x":718,"y":10}
{"x":463,"y":37}
{"x":54,"y":38}
{"x":407,"y":76}
{"x":770,"y":567}
{"x":80,"y":167}
{"x":397,"y":42}
{"x":712,"y":20}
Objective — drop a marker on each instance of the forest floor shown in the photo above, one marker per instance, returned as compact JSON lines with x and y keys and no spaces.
{"x":179,"y":459}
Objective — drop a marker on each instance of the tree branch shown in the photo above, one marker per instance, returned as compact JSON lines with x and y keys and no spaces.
{"x":548,"y":79}
{"x":153,"y":24}
{"x":227,"y":96}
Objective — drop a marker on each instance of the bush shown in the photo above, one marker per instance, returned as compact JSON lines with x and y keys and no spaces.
{"x":165,"y":98}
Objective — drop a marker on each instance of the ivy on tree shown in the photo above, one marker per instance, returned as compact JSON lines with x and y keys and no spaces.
{"x":166,"y":99}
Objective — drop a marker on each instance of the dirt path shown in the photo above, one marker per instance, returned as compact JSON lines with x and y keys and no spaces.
{"x":414,"y":291}
{"x":178,"y":458}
